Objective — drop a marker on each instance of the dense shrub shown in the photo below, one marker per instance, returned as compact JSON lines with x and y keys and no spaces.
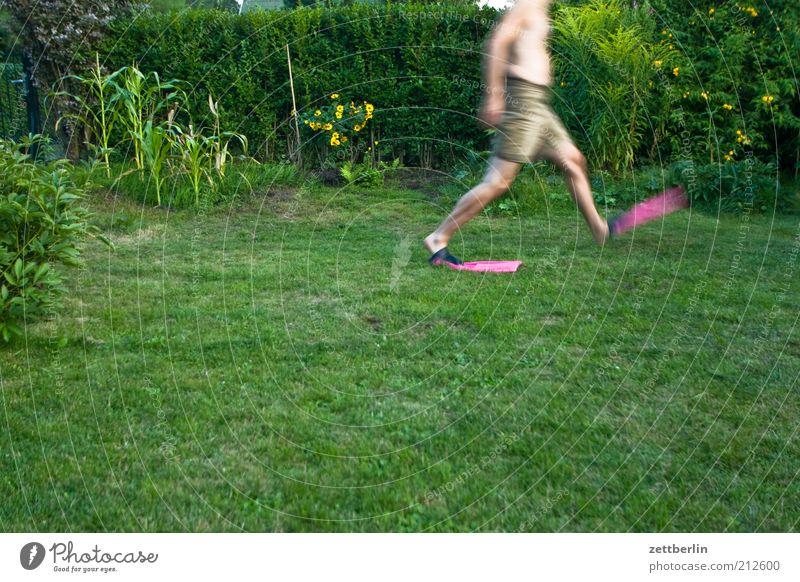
{"x":732,"y":186}
{"x":730,"y":86}
{"x":605,"y":63}
{"x":41,"y":226}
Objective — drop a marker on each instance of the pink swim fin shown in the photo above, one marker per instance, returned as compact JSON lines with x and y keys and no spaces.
{"x":650,"y":209}
{"x":487,"y":266}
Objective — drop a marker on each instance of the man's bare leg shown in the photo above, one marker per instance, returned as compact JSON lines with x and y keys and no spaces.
{"x":498,"y":178}
{"x":576,"y":174}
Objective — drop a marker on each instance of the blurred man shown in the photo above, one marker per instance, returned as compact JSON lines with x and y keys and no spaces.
{"x":517,"y":79}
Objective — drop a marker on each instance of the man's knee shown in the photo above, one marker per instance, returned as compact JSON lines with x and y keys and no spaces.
{"x":497,"y":182}
{"x":574,"y":162}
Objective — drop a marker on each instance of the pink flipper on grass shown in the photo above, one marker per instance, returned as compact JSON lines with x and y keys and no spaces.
{"x":650,"y":209}
{"x":487,"y":266}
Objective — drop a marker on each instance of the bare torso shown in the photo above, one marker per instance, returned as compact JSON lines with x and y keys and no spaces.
{"x":530,"y":56}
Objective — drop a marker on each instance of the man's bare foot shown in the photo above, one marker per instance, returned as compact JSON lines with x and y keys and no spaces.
{"x":434,"y":244}
{"x":602,"y":233}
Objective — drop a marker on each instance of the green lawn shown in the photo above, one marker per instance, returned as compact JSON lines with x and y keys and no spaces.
{"x":295,"y":365}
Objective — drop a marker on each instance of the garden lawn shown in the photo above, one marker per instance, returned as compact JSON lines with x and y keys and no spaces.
{"x":294,"y":364}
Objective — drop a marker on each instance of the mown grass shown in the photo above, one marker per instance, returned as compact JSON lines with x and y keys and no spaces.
{"x":293,"y":364}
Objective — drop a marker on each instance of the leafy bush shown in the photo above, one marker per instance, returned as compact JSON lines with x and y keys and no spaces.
{"x":729,"y":86}
{"x":606,"y":65}
{"x":365,"y":174}
{"x":732,"y":186}
{"x":339,"y":122}
{"x":41,"y":226}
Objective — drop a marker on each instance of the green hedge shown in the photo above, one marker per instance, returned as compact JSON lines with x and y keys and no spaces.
{"x":420,"y":65}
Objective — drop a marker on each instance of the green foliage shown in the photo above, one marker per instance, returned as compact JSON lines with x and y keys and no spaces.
{"x":195,"y":152}
{"x":41,"y":226}
{"x":145,"y":108}
{"x":418,"y":64}
{"x":13,"y":118}
{"x":735,"y":65}
{"x":605,"y":66}
{"x":733,"y":186}
{"x":244,"y":178}
{"x":366,"y":174}
{"x":637,"y":86}
{"x":97,"y":107}
{"x":339,"y":125}
{"x":143,"y":97}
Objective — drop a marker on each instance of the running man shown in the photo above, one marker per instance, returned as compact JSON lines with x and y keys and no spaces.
{"x":529,"y":129}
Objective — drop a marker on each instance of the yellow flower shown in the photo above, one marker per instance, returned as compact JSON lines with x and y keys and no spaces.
{"x":335,"y":96}
{"x":376,"y":142}
{"x":768,"y":99}
{"x":340,"y":108}
{"x":685,"y":94}
{"x":704,"y":95}
{"x":318,"y":112}
{"x":338,"y":115}
{"x":727,"y":106}
{"x":344,"y":139}
{"x":738,"y":132}
{"x":563,"y":84}
{"x":728,"y":157}
{"x":305,"y":121}
{"x":357,"y":127}
{"x":328,"y":127}
{"x":657,"y":63}
{"x":711,"y":11}
{"x":753,"y":12}
{"x":676,"y":71}
{"x":370,"y":108}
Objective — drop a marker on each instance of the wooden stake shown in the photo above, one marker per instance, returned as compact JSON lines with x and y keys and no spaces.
{"x":296,"y":154}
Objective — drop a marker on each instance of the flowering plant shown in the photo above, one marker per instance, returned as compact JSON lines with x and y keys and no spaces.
{"x":338,"y":121}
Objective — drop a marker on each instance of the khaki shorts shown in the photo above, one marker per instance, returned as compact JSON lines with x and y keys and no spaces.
{"x":529,"y":129}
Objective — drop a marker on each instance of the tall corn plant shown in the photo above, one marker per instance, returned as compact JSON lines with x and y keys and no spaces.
{"x":143,"y":97}
{"x":221,"y":139}
{"x":194,"y":152}
{"x":98,"y":108}
{"x":156,"y":144}
{"x":608,"y":66}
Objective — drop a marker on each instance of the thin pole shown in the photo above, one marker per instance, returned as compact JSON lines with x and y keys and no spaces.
{"x":294,"y":106}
